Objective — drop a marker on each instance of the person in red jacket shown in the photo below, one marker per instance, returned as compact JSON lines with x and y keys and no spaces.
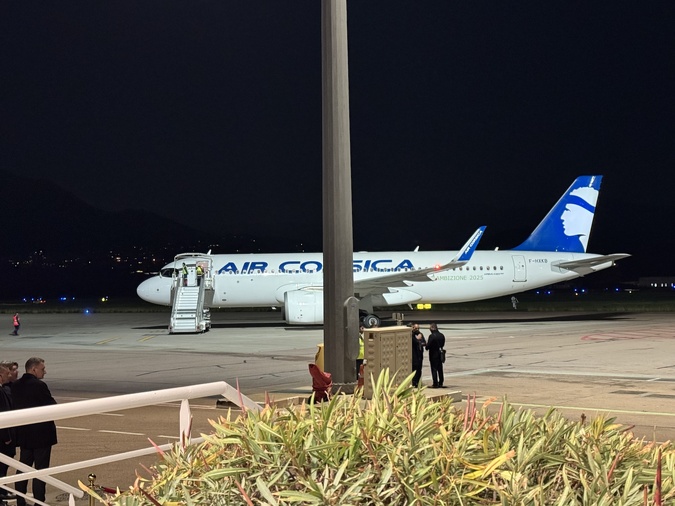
{"x":17,"y":324}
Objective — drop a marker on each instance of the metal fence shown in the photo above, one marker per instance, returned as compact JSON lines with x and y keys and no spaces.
{"x":105,"y":405}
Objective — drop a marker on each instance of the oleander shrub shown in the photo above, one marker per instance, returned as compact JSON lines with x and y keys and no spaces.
{"x":402,"y":448}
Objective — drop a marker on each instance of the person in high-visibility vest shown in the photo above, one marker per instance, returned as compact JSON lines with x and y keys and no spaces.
{"x":362,"y":349}
{"x":200,"y":274}
{"x":185,"y":274}
{"x":17,"y":324}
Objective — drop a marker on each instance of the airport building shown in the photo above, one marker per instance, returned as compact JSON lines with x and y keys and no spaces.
{"x":660,"y":282}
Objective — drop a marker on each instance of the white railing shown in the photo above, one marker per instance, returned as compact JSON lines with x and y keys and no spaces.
{"x":105,"y":405}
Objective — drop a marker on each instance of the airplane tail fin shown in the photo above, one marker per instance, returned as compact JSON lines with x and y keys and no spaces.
{"x":567,"y":225}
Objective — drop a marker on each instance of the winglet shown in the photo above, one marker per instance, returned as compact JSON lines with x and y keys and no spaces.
{"x":465,"y":253}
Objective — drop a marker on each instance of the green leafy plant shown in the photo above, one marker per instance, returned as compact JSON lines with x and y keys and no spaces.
{"x":401,"y":448}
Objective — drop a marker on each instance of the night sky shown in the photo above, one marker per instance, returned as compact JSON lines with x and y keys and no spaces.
{"x":462,"y":113}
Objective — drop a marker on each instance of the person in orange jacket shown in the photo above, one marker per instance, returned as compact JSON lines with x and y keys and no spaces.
{"x":17,"y":324}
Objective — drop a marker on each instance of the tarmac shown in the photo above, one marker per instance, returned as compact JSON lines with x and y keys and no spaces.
{"x":615,"y":364}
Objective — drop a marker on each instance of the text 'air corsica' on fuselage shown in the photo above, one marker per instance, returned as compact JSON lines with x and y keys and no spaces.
{"x":289,"y":266}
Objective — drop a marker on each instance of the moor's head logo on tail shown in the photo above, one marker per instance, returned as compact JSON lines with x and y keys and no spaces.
{"x":568,"y":225}
{"x":577,"y":217}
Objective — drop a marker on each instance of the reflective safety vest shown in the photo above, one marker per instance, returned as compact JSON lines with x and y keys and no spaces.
{"x":16,"y":320}
{"x":362,"y":348}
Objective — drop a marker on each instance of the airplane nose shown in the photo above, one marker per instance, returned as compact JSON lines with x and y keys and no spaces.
{"x":155,"y":290}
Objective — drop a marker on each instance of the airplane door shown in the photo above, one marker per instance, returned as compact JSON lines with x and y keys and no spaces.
{"x":519,"y":269}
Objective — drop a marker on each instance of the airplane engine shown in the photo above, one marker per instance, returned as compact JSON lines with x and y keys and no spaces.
{"x":303,"y":307}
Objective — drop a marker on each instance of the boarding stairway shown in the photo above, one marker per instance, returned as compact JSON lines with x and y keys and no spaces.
{"x":189,"y":293}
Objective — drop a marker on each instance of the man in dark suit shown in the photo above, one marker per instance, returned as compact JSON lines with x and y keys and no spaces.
{"x":418,"y":344}
{"x":35,"y":440}
{"x":435,"y":344}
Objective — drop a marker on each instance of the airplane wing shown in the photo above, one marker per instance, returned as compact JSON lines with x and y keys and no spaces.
{"x":393,"y":279}
{"x":587,"y":265}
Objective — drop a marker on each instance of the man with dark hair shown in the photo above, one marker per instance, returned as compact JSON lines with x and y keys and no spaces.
{"x":36,"y":439}
{"x":435,"y":344}
{"x":418,"y":344}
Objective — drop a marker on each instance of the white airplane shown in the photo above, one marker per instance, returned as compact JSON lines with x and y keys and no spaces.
{"x":553,"y":253}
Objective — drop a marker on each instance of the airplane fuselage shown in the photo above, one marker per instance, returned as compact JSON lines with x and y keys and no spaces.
{"x":261,"y":280}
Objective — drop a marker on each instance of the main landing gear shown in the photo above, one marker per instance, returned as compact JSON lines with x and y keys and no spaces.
{"x":368,"y":320}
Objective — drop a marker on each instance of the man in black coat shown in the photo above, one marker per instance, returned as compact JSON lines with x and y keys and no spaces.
{"x":35,"y":440}
{"x":418,"y":344}
{"x":435,"y":343}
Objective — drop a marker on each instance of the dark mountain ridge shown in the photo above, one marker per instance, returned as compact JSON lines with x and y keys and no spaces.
{"x":42,"y":216}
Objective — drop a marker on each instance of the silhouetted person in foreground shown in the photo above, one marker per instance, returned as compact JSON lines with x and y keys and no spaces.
{"x":36,"y":439}
{"x":8,"y":434}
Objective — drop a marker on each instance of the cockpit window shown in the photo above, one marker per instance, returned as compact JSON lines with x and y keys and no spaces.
{"x":167,"y":272}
